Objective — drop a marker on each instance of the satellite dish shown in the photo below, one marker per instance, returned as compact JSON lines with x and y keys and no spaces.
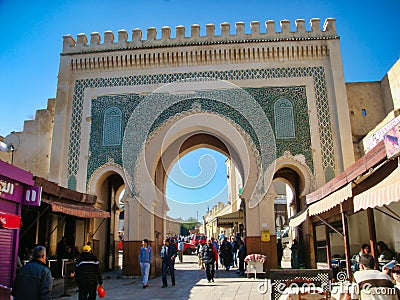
{"x":12,"y":140}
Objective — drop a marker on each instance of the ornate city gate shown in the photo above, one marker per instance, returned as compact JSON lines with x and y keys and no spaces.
{"x":273,"y":102}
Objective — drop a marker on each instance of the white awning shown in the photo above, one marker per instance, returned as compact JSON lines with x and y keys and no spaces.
{"x":331,"y":200}
{"x":385,"y":192}
{"x":298,"y":218}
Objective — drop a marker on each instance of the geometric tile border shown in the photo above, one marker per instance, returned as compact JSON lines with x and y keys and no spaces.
{"x":317,"y":73}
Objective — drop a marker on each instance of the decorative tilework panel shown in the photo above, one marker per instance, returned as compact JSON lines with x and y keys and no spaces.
{"x":284,"y":119}
{"x":265,"y":97}
{"x":72,"y":182}
{"x":112,"y":133}
{"x":317,"y":73}
{"x":99,"y":153}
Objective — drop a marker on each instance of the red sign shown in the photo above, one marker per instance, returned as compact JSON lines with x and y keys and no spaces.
{"x":9,"y":221}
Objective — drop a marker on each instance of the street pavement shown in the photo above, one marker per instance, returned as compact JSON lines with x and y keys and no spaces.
{"x":191,"y":283}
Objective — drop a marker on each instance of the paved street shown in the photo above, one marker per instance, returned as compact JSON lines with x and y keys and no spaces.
{"x":190,"y":284}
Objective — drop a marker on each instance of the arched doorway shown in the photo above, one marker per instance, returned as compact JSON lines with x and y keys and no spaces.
{"x":104,"y":234}
{"x":294,"y":179}
{"x":175,"y":139}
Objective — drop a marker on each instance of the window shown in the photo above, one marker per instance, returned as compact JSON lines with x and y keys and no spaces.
{"x":112,"y":127}
{"x":284,"y":119}
{"x":364,"y":112}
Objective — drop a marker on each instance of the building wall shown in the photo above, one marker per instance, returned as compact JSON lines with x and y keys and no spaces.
{"x":33,"y":153}
{"x":304,"y":66}
{"x":365,"y":96}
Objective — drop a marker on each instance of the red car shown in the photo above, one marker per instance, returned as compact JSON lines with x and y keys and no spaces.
{"x":198,"y":239}
{"x":187,"y":247}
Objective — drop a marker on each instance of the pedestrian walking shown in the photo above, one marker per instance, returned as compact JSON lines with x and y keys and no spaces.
{"x":226,"y":253}
{"x":168,"y":255}
{"x":209,"y":255}
{"x":216,"y":246}
{"x":199,"y":259}
{"x":34,"y":280}
{"x":181,"y":246}
{"x":241,"y":255}
{"x":87,"y":274}
{"x":235,"y":247}
{"x":145,"y":259}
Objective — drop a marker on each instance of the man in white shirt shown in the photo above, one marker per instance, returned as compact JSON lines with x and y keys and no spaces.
{"x":372,"y":284}
{"x":181,"y":246}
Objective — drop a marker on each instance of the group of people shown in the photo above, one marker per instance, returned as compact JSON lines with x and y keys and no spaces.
{"x":34,"y":280}
{"x":375,"y":284}
{"x":228,"y":253}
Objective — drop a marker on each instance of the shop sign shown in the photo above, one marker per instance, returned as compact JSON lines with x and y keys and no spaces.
{"x":14,"y":191}
{"x":33,"y":196}
{"x":10,"y":190}
{"x":392,"y":141}
{"x":265,"y":236}
{"x":6,"y":187}
{"x":372,"y":140}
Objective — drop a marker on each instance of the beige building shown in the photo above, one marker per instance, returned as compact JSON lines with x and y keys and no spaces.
{"x":126,"y":109}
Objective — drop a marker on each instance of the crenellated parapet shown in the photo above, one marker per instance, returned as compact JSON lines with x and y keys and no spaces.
{"x":124,"y":41}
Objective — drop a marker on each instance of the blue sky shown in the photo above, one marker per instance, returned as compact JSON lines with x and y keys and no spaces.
{"x":200,"y":184}
{"x":32,"y":31}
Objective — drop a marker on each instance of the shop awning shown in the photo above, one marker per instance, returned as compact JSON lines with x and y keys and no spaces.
{"x":229,"y":219}
{"x":9,"y":221}
{"x":331,"y":200}
{"x":298,"y":218}
{"x":385,"y":192}
{"x":77,"y":210}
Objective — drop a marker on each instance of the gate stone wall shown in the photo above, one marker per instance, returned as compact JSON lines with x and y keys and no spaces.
{"x":296,"y":77}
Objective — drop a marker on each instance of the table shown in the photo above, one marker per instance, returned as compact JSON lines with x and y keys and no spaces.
{"x":254,"y":267}
{"x":52,"y":264}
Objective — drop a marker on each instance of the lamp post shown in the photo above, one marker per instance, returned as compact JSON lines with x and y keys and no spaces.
{"x":11,"y":149}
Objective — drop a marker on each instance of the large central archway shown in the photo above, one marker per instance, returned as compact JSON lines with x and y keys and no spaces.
{"x":148,"y":207}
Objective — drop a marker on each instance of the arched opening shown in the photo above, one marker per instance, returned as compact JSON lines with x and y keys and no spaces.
{"x":105,"y":233}
{"x":288,"y":185}
{"x":148,"y":205}
{"x":195,"y":183}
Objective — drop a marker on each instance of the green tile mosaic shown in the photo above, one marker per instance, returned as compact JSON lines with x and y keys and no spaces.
{"x":320,"y":90}
{"x":266,"y":97}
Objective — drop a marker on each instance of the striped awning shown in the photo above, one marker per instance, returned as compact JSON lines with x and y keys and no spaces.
{"x":331,"y":200}
{"x":385,"y":192}
{"x":76,"y":210}
{"x":298,"y":218}
{"x":231,"y":218}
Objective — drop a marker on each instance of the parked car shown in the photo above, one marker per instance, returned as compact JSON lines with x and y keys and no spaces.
{"x":198,"y":238}
{"x":187,"y":247}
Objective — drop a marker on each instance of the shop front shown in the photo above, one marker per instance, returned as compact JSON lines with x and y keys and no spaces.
{"x":16,"y":189}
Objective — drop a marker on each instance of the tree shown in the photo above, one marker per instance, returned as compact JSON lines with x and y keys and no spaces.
{"x":188,"y":224}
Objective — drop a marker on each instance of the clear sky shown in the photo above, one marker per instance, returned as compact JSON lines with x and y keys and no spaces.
{"x":32,"y":31}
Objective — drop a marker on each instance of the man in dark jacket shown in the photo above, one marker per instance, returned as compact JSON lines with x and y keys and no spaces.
{"x":241,"y":255}
{"x":226,"y":253}
{"x":168,"y":254}
{"x":87,"y":274}
{"x":34,"y":280}
{"x":208,"y":255}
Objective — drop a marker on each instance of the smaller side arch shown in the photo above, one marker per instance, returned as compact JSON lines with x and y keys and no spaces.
{"x":297,"y":163}
{"x":101,"y":173}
